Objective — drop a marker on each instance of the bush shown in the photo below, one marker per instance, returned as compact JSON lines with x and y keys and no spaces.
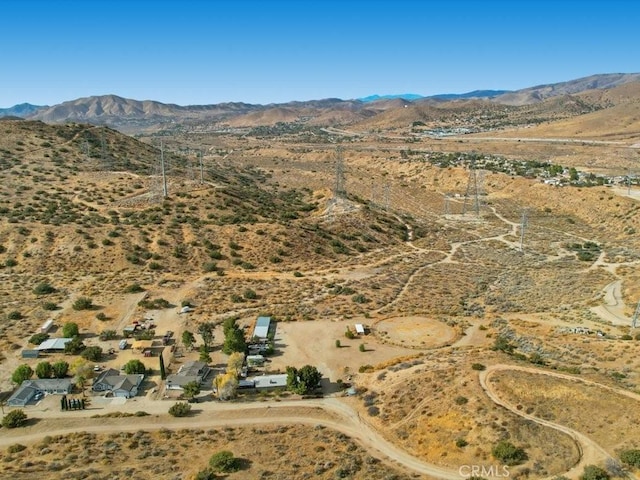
{"x":50,"y":306}
{"x":14,"y":315}
{"x":70,"y":330}
{"x":134,"y":366}
{"x":83,"y":303}
{"x":593,"y":472}
{"x":43,"y":289}
{"x":38,"y":338}
{"x":250,"y":294}
{"x":478,"y":366}
{"x":460,"y":400}
{"x":134,"y":288}
{"x":180,"y":409}
{"x":631,"y":458}
{"x":338,"y":344}
{"x":224,"y":461}
{"x":14,"y":419}
{"x":297,"y":274}
{"x":461,"y":442}
{"x":508,"y":453}
{"x":349,"y":334}
{"x":93,"y":354}
{"x":16,"y":448}
{"x":101,"y":316}
{"x":362,"y":348}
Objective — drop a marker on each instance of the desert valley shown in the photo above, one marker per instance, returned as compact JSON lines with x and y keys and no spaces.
{"x":393,"y":288}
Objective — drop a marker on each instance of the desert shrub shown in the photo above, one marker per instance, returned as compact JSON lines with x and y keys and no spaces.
{"x":461,"y":442}
{"x":362,"y":348}
{"x":83,"y":303}
{"x":38,"y":338}
{"x":365,"y":368}
{"x":50,"y":306}
{"x":224,"y":461}
{"x":460,"y":400}
{"x":180,"y":409}
{"x":359,"y":298}
{"x":349,"y":334}
{"x":250,"y":294}
{"x":43,"y":288}
{"x":133,"y":288}
{"x":338,"y":345}
{"x":14,"y":315}
{"x":10,"y":262}
{"x":13,"y":419}
{"x":478,"y":366}
{"x":297,"y":274}
{"x":631,"y":457}
{"x":155,"y":304}
{"x":593,"y":472}
{"x":205,"y":474}
{"x":373,"y":411}
{"x":101,"y":316}
{"x":626,"y":337}
{"x":16,"y":448}
{"x":507,"y":453}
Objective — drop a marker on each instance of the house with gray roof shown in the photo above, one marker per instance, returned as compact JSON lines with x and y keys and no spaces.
{"x":189,"y":372}
{"x":119,"y":385}
{"x":29,"y":390}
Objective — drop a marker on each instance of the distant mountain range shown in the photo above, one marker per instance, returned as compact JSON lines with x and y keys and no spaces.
{"x":131,"y":116}
{"x":22,"y":110}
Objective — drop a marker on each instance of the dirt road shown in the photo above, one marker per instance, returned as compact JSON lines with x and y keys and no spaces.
{"x":590,"y":452}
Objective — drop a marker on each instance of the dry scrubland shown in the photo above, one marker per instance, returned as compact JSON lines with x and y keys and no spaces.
{"x":436,"y":287}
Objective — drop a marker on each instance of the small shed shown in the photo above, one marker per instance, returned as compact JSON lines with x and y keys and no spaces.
{"x":30,"y":353}
{"x":359,"y":329}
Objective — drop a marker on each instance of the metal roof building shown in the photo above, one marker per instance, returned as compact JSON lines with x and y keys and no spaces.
{"x":53,"y":344}
{"x":262,"y":328}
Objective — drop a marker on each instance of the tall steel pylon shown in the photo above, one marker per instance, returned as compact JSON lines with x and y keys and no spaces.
{"x":474,"y":189}
{"x":339,"y":190}
{"x":523,"y":225}
{"x":634,"y":319}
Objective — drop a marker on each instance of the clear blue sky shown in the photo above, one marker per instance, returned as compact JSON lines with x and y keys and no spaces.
{"x":203,"y":52}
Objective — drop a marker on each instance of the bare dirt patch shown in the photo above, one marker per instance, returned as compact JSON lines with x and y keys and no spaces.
{"x":416,"y":332}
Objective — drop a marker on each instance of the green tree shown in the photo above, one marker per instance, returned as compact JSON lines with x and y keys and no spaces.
{"x":83,"y":303}
{"x":180,"y":409}
{"x":508,"y":453}
{"x":44,"y":370}
{"x":93,"y":354}
{"x":70,"y":330}
{"x":60,"y":369}
{"x":22,"y":373}
{"x":206,"y":332}
{"x":14,"y":419}
{"x":224,"y":461}
{"x":234,"y":341}
{"x":188,"y":339}
{"x":204,"y":354}
{"x":134,"y":366}
{"x":309,"y":378}
{"x":191,"y":389}
{"x":38,"y":338}
{"x":74,"y":346}
{"x":43,"y":288}
{"x":593,"y":472}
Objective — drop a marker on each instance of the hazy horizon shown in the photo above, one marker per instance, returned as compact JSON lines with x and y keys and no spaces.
{"x":280,"y":51}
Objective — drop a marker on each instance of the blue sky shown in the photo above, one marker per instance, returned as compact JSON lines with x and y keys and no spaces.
{"x":203,"y":52}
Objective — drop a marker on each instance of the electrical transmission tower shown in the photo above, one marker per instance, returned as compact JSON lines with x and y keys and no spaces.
{"x":634,"y":319}
{"x":523,"y":225}
{"x":447,"y":204}
{"x":474,"y":188}
{"x":339,"y":190}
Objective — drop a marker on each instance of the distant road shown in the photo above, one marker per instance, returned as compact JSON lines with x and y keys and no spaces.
{"x":543,"y":140}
